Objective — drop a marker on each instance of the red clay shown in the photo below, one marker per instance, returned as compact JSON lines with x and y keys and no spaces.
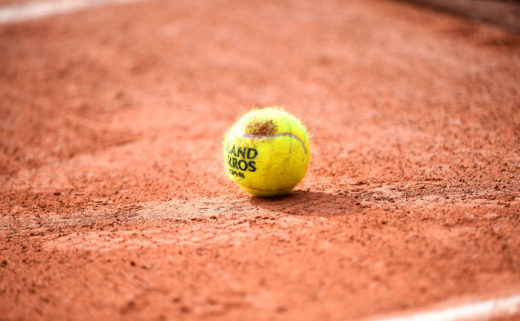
{"x":115,"y":205}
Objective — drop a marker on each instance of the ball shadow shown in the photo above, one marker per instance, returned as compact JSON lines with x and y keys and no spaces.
{"x":307,"y":203}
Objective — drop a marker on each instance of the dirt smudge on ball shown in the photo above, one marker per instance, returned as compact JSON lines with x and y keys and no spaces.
{"x":264,"y":128}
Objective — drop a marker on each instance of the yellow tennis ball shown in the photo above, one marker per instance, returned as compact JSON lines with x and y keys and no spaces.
{"x":267,"y":152}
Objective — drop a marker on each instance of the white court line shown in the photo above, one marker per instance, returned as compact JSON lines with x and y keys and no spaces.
{"x":40,"y":9}
{"x":484,"y":310}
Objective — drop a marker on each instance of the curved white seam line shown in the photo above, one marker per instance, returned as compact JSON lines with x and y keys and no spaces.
{"x":277,"y":135}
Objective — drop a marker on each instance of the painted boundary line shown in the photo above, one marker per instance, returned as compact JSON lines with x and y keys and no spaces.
{"x":35,"y":10}
{"x":483,"y":310}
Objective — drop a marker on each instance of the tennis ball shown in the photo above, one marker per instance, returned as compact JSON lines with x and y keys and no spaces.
{"x":267,"y":152}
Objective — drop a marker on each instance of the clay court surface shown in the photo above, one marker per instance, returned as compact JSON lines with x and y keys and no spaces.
{"x":114,"y":201}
